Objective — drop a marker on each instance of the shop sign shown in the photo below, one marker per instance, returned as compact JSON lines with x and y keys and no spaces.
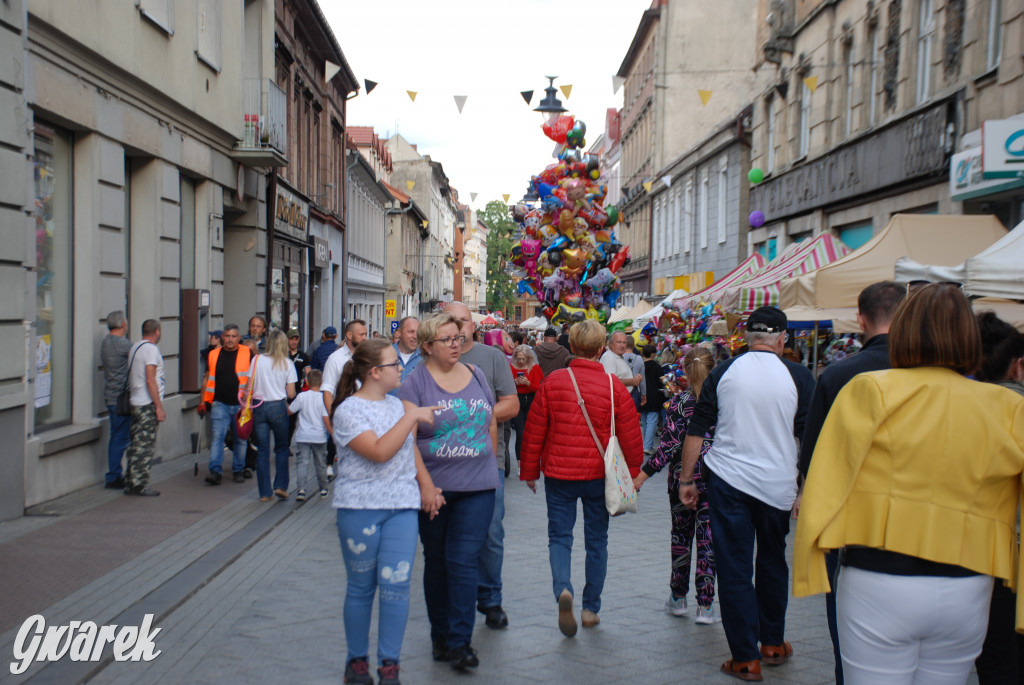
{"x":321,"y":253}
{"x":292,"y":214}
{"x":909,"y":149}
{"x":1002,"y":148}
{"x":967,"y":180}
{"x":390,"y":307}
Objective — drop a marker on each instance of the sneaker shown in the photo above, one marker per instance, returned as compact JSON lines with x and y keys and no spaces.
{"x":676,"y":607}
{"x":357,"y":672}
{"x":706,"y":616}
{"x":464,"y":657}
{"x":142,"y":491}
{"x":238,"y":477}
{"x":441,"y":651}
{"x":495,"y":617}
{"x":330,"y":473}
{"x":117,"y":484}
{"x":323,"y":494}
{"x":387,"y":674}
{"x":301,"y":496}
{"x":214,"y":478}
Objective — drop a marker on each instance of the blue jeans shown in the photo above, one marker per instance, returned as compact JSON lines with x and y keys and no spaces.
{"x":120,"y":438}
{"x":271,"y":417}
{"x":379,"y":546}
{"x":488,"y":591}
{"x":649,"y":426}
{"x":222,"y":421}
{"x":561,"y":496}
{"x":451,"y":545}
{"x":751,"y":611}
{"x":832,"y":565}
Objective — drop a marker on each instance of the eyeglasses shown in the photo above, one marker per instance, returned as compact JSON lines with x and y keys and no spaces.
{"x":451,"y":342}
{"x":381,"y":366}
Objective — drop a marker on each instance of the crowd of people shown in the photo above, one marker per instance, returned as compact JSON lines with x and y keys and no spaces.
{"x":902,"y":466}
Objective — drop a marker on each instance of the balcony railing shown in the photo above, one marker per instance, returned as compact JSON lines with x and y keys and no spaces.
{"x":264,"y":124}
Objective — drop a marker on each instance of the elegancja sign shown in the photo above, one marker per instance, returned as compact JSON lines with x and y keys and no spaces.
{"x":914,"y":147}
{"x":291,"y":214}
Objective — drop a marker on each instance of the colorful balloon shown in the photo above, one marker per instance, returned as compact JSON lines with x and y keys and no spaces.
{"x":756,"y":218}
{"x":755,"y":175}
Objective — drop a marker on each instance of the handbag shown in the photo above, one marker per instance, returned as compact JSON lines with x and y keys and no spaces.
{"x":123,"y":406}
{"x":619,"y":493}
{"x":243,"y":417}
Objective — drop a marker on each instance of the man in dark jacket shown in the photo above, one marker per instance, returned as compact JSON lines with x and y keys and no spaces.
{"x":876,"y":306}
{"x":550,"y":355}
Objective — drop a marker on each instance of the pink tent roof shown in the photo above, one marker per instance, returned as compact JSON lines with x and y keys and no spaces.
{"x":747,"y":268}
{"x":762,"y":289}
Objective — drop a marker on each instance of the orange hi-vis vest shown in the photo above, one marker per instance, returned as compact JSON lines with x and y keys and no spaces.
{"x":242,"y":362}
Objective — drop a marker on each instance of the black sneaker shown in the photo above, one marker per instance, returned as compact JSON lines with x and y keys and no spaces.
{"x":238,"y":477}
{"x":247,"y":473}
{"x":495,"y":617}
{"x":142,"y":491}
{"x":441,"y":651}
{"x":214,"y":478}
{"x":117,"y":484}
{"x":464,"y":657}
{"x":387,"y":674}
{"x":357,"y":672}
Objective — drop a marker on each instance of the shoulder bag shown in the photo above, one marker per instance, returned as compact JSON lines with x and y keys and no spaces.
{"x":243,"y":419}
{"x":124,"y":400}
{"x":619,"y":493}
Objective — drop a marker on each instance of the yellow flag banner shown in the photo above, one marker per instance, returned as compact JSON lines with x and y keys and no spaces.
{"x":705,"y":95}
{"x":412,"y":95}
{"x":505,"y":197}
{"x":410,"y":185}
{"x":812,"y":83}
{"x":648,"y":185}
{"x":566,"y":90}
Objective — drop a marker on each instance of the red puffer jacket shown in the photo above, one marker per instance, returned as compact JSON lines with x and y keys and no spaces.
{"x":557,"y":440}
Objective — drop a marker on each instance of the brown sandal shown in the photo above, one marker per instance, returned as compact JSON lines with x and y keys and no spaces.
{"x":283,"y":494}
{"x":744,"y":670}
{"x":775,"y":655}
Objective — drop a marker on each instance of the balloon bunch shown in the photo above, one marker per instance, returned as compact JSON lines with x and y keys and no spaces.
{"x":566,"y":247}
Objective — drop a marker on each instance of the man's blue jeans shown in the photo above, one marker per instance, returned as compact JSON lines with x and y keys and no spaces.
{"x":488,"y":591}
{"x":222,"y":421}
{"x":120,"y":438}
{"x":451,"y":546}
{"x":271,"y":417}
{"x":379,"y":546}
{"x":649,"y":426}
{"x":561,"y":496}
{"x":751,"y":611}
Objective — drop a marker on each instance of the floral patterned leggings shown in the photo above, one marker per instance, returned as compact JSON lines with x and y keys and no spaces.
{"x":687,"y":523}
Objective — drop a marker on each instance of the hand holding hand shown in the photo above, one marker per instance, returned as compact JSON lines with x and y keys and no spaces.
{"x":638,"y":482}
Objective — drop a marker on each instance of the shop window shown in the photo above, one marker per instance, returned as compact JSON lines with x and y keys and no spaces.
{"x":855,"y":236}
{"x":54,"y":272}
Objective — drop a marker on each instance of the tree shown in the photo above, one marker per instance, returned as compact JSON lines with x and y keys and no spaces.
{"x":502,"y":292}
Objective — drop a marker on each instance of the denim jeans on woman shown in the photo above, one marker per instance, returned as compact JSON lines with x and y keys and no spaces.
{"x":379,"y":546}
{"x":222,"y":423}
{"x":271,"y":418}
{"x":451,"y":547}
{"x":649,"y":427}
{"x":561,"y":496}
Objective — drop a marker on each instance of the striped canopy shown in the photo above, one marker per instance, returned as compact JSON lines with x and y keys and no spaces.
{"x":762,"y":289}
{"x":747,"y":268}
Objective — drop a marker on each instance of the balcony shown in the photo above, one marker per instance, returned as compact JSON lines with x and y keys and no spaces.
{"x":264,"y":125}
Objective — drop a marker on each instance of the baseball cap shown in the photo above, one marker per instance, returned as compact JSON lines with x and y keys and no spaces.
{"x":331,"y":332}
{"x":293,"y":333}
{"x":767,"y":320}
{"x":217,"y":333}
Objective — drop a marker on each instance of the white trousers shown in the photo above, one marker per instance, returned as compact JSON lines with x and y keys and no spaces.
{"x":925,"y":630}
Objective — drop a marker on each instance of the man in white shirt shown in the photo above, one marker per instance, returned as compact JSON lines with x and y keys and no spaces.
{"x":636,"y":366}
{"x":146,"y":381}
{"x":614,"y":364}
{"x":355,"y":333}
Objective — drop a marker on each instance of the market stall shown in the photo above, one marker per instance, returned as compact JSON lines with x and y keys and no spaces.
{"x":747,"y":268}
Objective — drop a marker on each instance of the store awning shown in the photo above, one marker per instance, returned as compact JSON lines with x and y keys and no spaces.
{"x":747,"y":268}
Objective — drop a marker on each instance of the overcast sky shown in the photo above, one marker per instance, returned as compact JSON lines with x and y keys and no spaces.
{"x":488,"y":50}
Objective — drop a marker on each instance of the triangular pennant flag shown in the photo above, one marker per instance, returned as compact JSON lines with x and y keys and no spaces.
{"x":410,"y":185}
{"x":812,"y":83}
{"x":424,"y":223}
{"x":506,"y":196}
{"x":566,"y":90}
{"x":370,"y":85}
{"x":472,"y":197}
{"x":667,"y":180}
{"x":527,"y":95}
{"x":705,"y":95}
{"x":617,"y":82}
{"x":330,"y":70}
{"x":412,"y":95}
{"x":460,"y":102}
{"x":648,"y":185}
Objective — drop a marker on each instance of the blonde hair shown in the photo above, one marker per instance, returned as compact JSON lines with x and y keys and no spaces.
{"x":697,"y":364}
{"x":427,"y":331}
{"x":277,"y":348}
{"x":586,"y":338}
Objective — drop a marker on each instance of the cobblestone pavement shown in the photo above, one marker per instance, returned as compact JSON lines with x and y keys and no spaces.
{"x":254,"y":593}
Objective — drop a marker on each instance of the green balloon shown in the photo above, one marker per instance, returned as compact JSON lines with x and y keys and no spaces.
{"x":613,"y":216}
{"x":755,"y":175}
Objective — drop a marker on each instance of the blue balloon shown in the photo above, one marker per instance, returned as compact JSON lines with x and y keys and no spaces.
{"x":611,"y":298}
{"x":525,"y":287}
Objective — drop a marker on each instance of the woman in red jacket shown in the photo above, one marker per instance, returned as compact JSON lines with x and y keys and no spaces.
{"x":527,"y":375}
{"x":558,"y":442}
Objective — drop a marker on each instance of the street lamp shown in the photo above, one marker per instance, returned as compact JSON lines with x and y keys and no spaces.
{"x":550,"y":107}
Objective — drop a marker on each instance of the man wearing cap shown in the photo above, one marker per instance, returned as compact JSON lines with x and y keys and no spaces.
{"x":297,"y":356}
{"x":550,"y":355}
{"x":228,"y":372}
{"x":215,"y":342}
{"x":757,"y":404}
{"x":328,"y":344}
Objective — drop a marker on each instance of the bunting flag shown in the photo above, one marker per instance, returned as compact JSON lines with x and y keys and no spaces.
{"x":812,"y":83}
{"x":527,"y":95}
{"x":330,"y":70}
{"x":648,"y":185}
{"x":410,"y":185}
{"x":506,"y":196}
{"x":617,"y":82}
{"x":460,"y":102}
{"x":425,"y":223}
{"x":566,"y":90}
{"x":412,"y":95}
{"x":472,"y":197}
{"x":370,"y":85}
{"x":705,"y":95}
{"x":667,"y":180}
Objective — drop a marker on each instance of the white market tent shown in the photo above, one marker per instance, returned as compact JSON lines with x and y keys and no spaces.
{"x":535,"y":323}
{"x":619,"y":314}
{"x":637,"y":310}
{"x":673,"y":296}
{"x":650,"y":314}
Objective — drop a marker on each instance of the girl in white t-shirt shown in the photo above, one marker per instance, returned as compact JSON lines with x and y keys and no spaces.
{"x":380,"y":486}
{"x":273,"y":379}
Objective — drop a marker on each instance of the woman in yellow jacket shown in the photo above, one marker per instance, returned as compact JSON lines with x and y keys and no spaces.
{"x":917,"y":477}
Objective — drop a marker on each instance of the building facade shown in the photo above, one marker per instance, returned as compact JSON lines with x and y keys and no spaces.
{"x":475,"y":265}
{"x":406,"y":233}
{"x":366,"y":230}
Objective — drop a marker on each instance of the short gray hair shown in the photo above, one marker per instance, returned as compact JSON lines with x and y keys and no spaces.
{"x":612,"y":335}
{"x":115,"y":320}
{"x":762,"y":338}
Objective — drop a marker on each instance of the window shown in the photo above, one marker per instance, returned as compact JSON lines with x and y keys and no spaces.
{"x":848,"y":117}
{"x":873,"y":81}
{"x":54,"y":295}
{"x":925,"y":33}
{"x":855,"y":236}
{"x":688,"y":215}
{"x":188,"y":234}
{"x":994,"y":46}
{"x":676,"y":224}
{"x":208,"y":32}
{"x":769,"y":107}
{"x":160,"y":12}
{"x":704,"y":208}
{"x":804,"y":140}
{"x":723,"y":185}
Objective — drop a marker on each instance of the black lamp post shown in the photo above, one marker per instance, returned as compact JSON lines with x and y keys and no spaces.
{"x":550,"y":107}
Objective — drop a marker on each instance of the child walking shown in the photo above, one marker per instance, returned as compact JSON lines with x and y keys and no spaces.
{"x":381,"y":485}
{"x":311,"y":431}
